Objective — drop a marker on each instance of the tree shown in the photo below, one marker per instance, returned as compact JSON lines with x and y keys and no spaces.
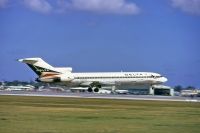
{"x":178,"y":88}
{"x":190,"y":88}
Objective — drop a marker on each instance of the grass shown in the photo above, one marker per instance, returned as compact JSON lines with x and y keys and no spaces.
{"x":71,"y":115}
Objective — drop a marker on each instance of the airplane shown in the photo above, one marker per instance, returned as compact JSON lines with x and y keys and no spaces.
{"x":92,"y":80}
{"x":18,"y":87}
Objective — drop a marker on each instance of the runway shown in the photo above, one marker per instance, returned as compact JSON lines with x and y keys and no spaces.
{"x":101,"y":96}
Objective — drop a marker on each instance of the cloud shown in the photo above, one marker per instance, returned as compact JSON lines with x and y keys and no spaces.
{"x":41,"y":6}
{"x":101,"y":6}
{"x":3,"y":3}
{"x":121,"y":7}
{"x":189,"y":6}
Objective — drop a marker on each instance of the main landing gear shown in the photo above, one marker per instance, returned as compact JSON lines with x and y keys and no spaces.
{"x":94,"y":89}
{"x":90,"y":89}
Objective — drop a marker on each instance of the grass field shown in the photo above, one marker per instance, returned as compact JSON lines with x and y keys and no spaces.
{"x":71,"y":115}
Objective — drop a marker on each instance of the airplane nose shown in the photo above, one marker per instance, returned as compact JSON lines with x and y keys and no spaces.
{"x":164,"y":79}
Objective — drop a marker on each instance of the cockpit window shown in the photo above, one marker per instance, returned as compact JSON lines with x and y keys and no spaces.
{"x":159,"y":76}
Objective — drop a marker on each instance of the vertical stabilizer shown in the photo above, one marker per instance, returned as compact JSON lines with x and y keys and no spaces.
{"x":38,"y":65}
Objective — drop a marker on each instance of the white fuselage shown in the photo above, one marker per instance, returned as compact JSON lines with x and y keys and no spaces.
{"x":116,"y":78}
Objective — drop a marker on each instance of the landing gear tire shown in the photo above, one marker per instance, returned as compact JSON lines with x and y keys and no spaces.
{"x":90,"y":89}
{"x":96,"y":89}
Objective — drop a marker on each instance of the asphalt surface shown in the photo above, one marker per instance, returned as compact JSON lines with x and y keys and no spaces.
{"x":101,"y":96}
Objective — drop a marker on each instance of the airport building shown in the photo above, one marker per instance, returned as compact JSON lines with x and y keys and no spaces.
{"x":194,"y":92}
{"x":162,"y":90}
{"x":135,"y":90}
{"x":154,"y":90}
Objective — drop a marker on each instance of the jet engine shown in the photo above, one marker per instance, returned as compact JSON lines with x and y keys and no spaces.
{"x":61,"y":78}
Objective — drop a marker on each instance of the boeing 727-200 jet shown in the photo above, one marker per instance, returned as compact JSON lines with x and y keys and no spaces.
{"x":92,"y":80}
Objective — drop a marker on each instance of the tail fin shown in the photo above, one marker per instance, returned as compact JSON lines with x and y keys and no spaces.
{"x":38,"y":65}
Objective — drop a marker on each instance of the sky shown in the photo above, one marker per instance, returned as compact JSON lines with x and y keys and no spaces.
{"x":161,"y":36}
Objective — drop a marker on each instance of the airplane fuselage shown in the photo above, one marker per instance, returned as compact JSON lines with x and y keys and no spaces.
{"x":117,"y":78}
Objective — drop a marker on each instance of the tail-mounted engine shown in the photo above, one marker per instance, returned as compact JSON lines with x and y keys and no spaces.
{"x":59,"y":78}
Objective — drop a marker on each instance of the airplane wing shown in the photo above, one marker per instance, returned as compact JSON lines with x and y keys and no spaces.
{"x":132,"y":83}
{"x":96,"y":83}
{"x":85,"y":84}
{"x":100,"y":84}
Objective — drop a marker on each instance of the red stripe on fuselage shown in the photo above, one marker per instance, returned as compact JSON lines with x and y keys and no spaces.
{"x":49,"y":74}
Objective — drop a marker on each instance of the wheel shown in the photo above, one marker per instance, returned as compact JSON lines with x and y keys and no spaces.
{"x":96,"y":89}
{"x":90,"y":89}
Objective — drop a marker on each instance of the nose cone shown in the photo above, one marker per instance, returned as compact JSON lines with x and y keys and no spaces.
{"x":163,"y":79}
{"x":20,"y":60}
